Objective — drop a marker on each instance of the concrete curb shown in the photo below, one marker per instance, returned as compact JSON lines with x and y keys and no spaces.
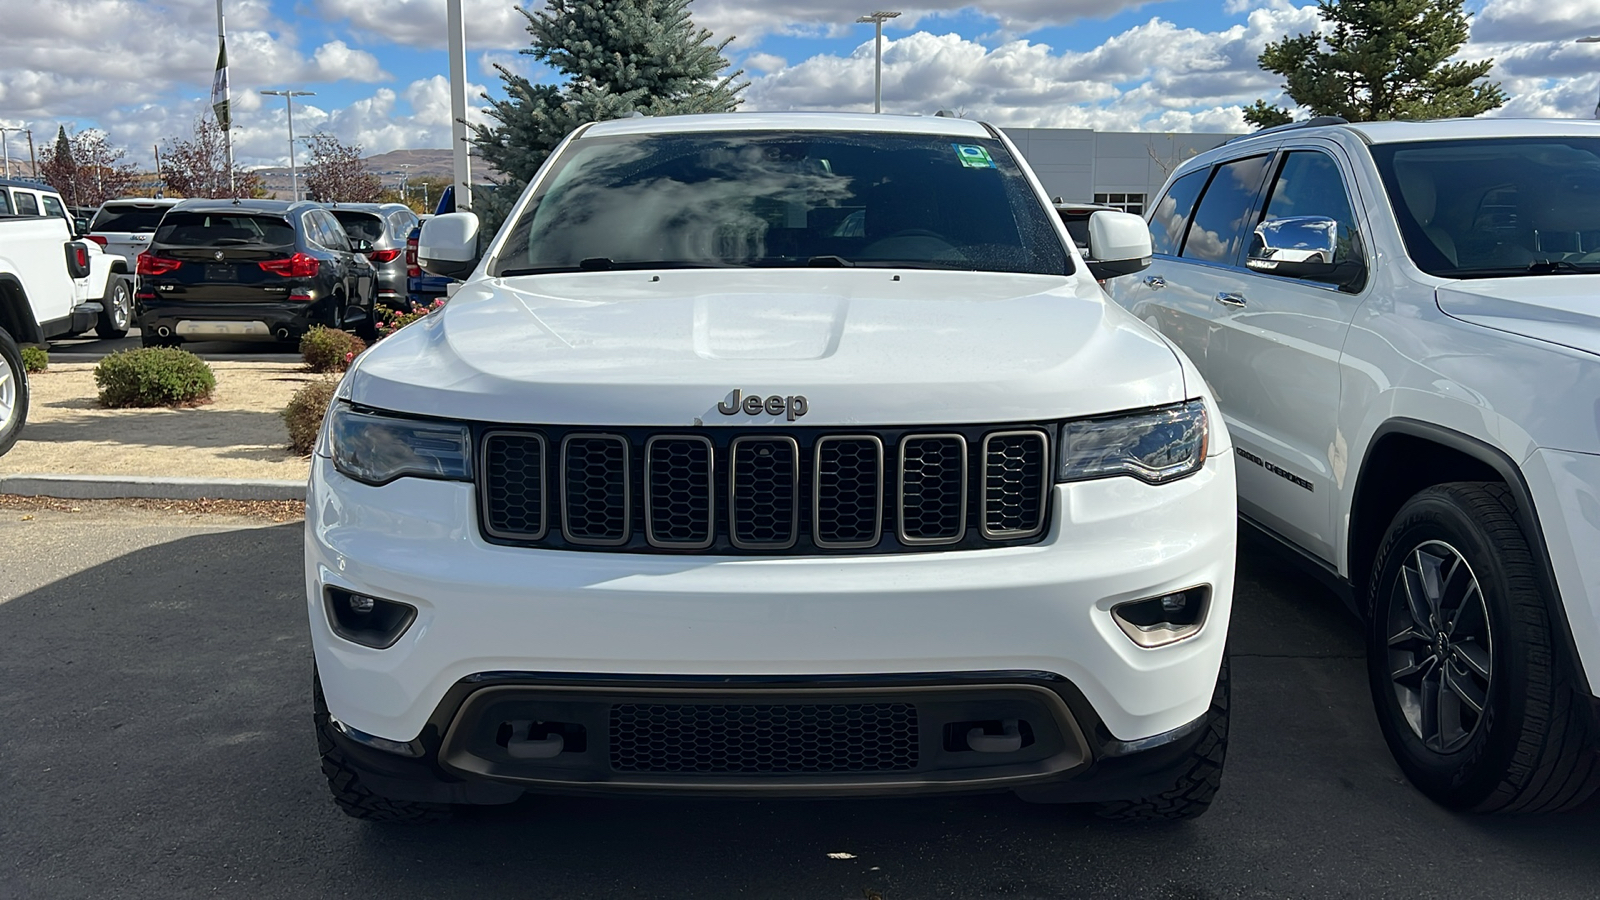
{"x":100,"y":487}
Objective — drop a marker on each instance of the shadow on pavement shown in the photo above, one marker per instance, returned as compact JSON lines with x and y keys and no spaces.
{"x":168,"y":428}
{"x":157,"y":742}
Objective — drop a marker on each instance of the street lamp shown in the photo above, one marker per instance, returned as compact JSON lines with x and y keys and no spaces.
{"x":877,"y":19}
{"x":288,"y":104}
{"x":1592,"y":40}
{"x":5,"y":149}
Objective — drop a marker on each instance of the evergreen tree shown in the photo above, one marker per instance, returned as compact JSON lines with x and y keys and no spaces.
{"x":1383,"y":59}
{"x":618,"y":57}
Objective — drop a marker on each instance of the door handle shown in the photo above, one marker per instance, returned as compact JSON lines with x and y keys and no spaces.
{"x":1155,"y":282}
{"x":1229,"y":298}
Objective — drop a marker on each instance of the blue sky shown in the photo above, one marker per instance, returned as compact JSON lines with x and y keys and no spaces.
{"x":140,"y":69}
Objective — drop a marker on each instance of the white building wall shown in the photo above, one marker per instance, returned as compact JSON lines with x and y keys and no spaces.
{"x":1075,"y":164}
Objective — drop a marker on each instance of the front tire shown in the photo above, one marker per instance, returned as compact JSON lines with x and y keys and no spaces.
{"x":117,"y":316}
{"x":1471,"y":691}
{"x":350,"y":794}
{"x":13,"y":392}
{"x":1196,"y":781}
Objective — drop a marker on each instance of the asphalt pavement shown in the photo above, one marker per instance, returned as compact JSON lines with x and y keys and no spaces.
{"x":154,"y":690}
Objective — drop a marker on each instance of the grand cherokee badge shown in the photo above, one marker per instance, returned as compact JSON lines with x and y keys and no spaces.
{"x":755,"y":405}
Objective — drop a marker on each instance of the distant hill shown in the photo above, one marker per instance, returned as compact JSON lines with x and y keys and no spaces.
{"x":388,"y":166}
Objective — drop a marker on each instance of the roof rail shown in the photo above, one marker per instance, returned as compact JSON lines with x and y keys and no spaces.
{"x":1313,"y":122}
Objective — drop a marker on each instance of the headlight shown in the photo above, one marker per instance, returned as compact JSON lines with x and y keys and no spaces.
{"x":378,"y":449}
{"x":1155,"y":446}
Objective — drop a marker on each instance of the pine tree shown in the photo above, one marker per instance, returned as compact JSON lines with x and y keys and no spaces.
{"x":1383,"y":59}
{"x":618,"y":57}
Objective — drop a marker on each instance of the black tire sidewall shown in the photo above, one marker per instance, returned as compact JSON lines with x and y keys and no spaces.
{"x":1463,"y":779}
{"x":11,"y":358}
{"x":107,"y":326}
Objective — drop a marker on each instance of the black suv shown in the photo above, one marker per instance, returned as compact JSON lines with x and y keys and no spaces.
{"x":252,"y":270}
{"x":384,"y":226}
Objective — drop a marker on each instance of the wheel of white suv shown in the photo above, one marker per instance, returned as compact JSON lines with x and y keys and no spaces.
{"x":117,"y":316}
{"x":1195,"y":780}
{"x":356,"y":799}
{"x":13,"y":392}
{"x":1471,"y":689}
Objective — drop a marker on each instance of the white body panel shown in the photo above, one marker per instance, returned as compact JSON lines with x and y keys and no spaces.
{"x":31,"y":249}
{"x":1309,"y":376}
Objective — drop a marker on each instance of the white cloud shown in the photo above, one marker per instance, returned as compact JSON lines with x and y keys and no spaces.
{"x":749,"y":20}
{"x":765,"y":62}
{"x":1536,"y":20}
{"x":335,"y":60}
{"x":491,"y":24}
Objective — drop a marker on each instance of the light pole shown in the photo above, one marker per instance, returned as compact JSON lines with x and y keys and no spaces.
{"x":5,"y":149}
{"x":1592,"y":40}
{"x":288,"y":104}
{"x":405,"y":176}
{"x":877,"y":19}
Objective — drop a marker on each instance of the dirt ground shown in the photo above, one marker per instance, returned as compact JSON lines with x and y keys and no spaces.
{"x":238,"y":435}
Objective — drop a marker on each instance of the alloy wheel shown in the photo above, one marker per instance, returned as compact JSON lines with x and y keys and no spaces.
{"x":1440,"y":646}
{"x":121,"y":308}
{"x":8,"y":394}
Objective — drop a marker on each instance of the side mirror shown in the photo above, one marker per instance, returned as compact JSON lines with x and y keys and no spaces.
{"x":1119,"y":244}
{"x":1303,"y":247}
{"x":80,"y":226}
{"x":448,"y":245}
{"x":361,"y":245}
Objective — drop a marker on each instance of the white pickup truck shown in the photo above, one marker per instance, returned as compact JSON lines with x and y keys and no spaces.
{"x":50,"y":286}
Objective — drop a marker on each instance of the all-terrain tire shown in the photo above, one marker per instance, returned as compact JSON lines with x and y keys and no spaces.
{"x":1531,"y":749}
{"x":117,"y":316}
{"x":1197,"y":780}
{"x":356,"y":799}
{"x":13,"y":392}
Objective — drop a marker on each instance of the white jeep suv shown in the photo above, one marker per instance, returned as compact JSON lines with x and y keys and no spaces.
{"x":775,"y":455}
{"x":1401,"y":322}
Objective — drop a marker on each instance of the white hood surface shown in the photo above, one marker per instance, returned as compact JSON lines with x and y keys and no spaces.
{"x":1560,"y":309}
{"x":862,"y":346}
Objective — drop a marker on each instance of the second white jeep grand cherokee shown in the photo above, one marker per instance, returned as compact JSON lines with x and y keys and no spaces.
{"x":777,"y":455}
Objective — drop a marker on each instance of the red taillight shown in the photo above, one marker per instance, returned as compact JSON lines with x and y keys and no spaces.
{"x":296,"y":266}
{"x":80,"y":256}
{"x":98,"y":239}
{"x":383,"y":256}
{"x":412,"y":269}
{"x":157,"y":265}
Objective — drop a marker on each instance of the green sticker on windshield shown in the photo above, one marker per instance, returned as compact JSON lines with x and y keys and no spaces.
{"x":973,"y":156}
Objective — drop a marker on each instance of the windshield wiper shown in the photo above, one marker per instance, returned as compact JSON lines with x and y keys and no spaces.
{"x":1537,"y":267}
{"x":827,"y":261}
{"x":607,"y":264}
{"x":1552,"y":267}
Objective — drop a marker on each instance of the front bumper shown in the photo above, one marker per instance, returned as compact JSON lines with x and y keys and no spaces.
{"x":1042,"y":608}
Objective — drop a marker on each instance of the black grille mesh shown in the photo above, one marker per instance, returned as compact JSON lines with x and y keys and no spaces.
{"x":933,"y":485}
{"x":763,"y":501}
{"x":595,"y":489}
{"x":849,"y":491}
{"x":680,"y":491}
{"x":514,"y":465}
{"x":1013,"y":483}
{"x":763,"y":738}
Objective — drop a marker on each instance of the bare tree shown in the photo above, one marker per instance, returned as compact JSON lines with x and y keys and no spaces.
{"x":337,"y":173}
{"x":85,"y":169}
{"x":1170,"y":161}
{"x":198,"y":167}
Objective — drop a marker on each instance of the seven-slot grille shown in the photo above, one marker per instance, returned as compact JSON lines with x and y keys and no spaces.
{"x":757,"y":492}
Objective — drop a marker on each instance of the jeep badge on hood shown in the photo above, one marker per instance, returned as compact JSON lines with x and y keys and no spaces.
{"x":755,"y":405}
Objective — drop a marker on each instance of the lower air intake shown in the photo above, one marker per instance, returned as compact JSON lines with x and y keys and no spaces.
{"x":811,"y":738}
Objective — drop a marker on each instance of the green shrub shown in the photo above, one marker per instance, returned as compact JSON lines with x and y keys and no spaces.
{"x":303,"y":415}
{"x":35,"y":359}
{"x":154,"y":376}
{"x":329,"y":349}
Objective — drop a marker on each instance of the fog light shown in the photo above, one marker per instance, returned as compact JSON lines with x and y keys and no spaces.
{"x":368,"y":621}
{"x":1167,"y":619}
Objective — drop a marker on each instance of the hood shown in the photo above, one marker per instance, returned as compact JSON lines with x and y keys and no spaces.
{"x":870,"y":347}
{"x":1560,"y":309}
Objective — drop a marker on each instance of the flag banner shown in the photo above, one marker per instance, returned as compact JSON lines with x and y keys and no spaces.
{"x":219,"y":86}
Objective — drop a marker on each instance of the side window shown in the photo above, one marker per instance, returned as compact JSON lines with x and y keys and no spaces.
{"x":1221,"y":219}
{"x":26,"y":204}
{"x":336,"y":238}
{"x":1172,"y":211}
{"x":53,"y":207}
{"x":5,"y":203}
{"x":1308,"y":217}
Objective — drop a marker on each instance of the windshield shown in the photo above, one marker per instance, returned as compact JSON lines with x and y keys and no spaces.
{"x":784,"y":199}
{"x":194,"y":229}
{"x":360,"y":225}
{"x":1496,"y":207}
{"x":128,"y":219}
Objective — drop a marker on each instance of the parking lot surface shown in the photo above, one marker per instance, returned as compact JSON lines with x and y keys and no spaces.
{"x":155,"y":678}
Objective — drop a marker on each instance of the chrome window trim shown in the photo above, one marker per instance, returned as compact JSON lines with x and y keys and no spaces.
{"x":1046,"y":478}
{"x":484,"y":484}
{"x":733,"y":495}
{"x":816,"y":494}
{"x":711,"y":498}
{"x":627,"y":499}
{"x":900,"y":492}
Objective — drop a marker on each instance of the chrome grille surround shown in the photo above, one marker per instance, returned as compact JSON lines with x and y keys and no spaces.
{"x":855,"y":535}
{"x":671,"y":521}
{"x":917,"y":498}
{"x":499,"y":518}
{"x":759,"y":461}
{"x":596,"y":506}
{"x":1016,"y":483}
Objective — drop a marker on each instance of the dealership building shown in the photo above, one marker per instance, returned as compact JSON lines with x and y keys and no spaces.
{"x":1117,"y":168}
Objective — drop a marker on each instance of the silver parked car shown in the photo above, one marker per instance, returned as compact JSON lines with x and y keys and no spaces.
{"x":385,"y":227}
